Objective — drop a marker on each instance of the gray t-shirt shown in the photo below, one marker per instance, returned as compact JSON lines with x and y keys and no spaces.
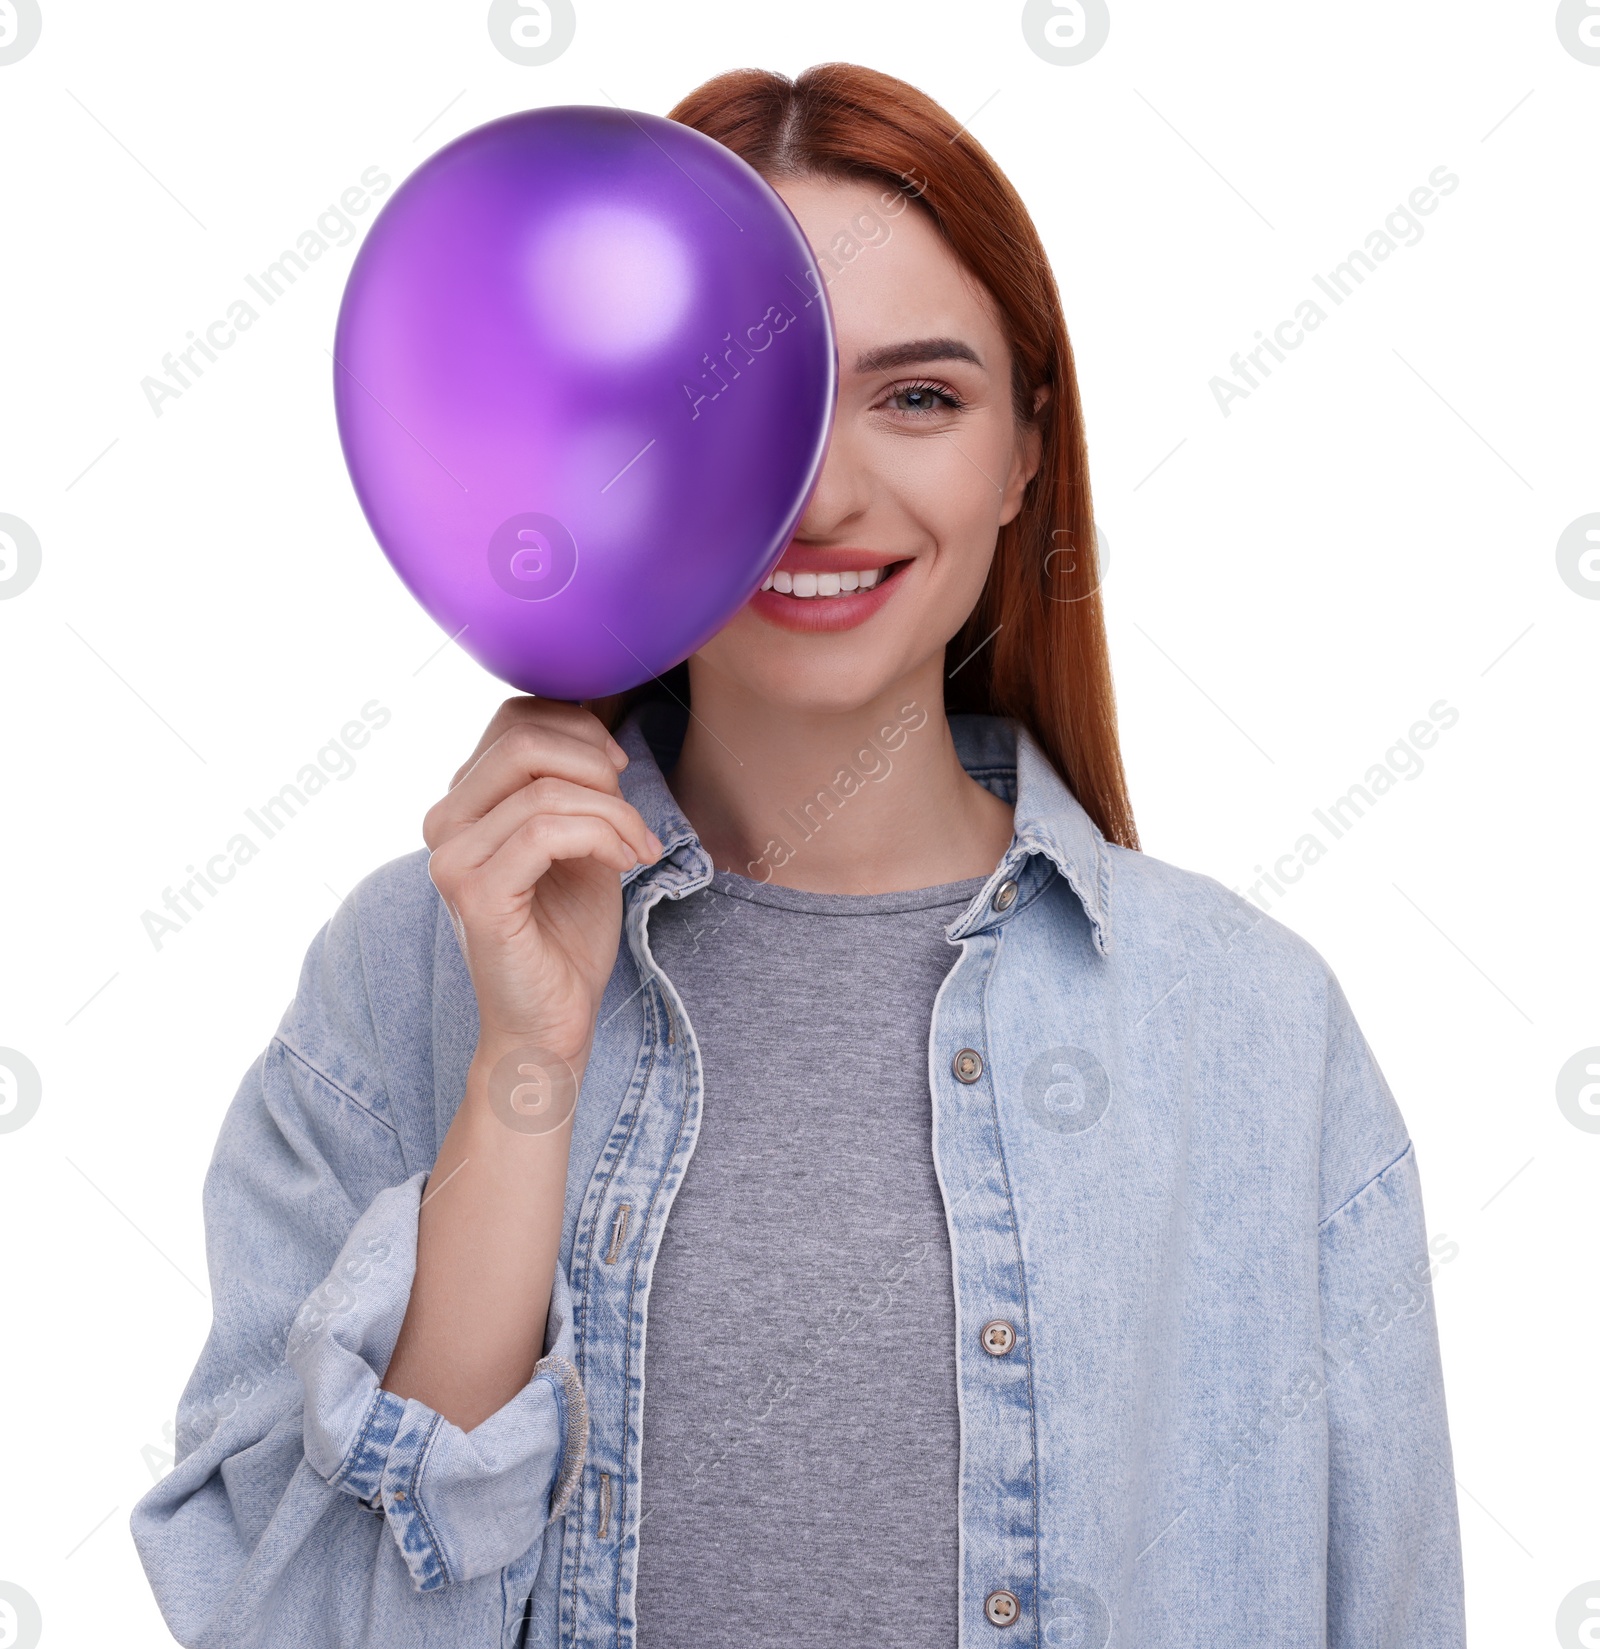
{"x":801,"y":1438}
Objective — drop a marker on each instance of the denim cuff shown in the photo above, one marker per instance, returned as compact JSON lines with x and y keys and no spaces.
{"x":459,"y":1504}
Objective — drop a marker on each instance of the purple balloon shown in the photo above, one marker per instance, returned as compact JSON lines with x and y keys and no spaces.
{"x":584,"y":378}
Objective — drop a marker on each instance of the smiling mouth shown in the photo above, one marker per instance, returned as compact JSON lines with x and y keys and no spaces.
{"x":829,"y":586}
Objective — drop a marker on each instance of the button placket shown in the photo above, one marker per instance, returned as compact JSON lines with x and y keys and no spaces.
{"x":999,"y":1467}
{"x":620,"y":1225}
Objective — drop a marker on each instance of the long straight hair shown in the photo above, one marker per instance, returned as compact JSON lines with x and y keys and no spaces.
{"x":1034,"y":647}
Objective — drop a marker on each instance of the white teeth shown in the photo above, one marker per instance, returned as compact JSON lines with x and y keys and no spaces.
{"x":808,"y":586}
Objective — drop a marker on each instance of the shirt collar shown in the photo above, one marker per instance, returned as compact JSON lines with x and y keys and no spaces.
{"x":996,"y":751}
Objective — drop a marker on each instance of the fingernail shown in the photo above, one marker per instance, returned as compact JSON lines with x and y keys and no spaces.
{"x":655,"y":842}
{"x":619,"y":756}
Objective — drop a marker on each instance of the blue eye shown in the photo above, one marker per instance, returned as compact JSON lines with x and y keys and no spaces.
{"x":921,"y":399}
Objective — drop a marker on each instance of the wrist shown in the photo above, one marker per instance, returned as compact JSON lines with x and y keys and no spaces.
{"x":570,"y":1044}
{"x":526,"y":1086}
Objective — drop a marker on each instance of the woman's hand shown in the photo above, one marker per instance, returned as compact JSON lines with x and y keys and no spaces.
{"x":528,"y":849}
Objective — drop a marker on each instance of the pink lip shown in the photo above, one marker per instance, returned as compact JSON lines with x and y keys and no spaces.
{"x":812,"y":615}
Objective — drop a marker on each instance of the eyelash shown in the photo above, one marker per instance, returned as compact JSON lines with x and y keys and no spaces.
{"x":948,"y":396}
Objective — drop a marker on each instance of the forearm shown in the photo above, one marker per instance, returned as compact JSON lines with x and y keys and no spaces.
{"x":488,"y":1242}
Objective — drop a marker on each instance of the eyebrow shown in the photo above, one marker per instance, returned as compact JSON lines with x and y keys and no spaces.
{"x":915,"y":353}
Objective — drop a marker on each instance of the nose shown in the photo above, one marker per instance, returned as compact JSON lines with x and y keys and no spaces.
{"x":843,"y":491}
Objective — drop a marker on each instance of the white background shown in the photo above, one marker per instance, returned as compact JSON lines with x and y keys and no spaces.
{"x":1371,"y":531}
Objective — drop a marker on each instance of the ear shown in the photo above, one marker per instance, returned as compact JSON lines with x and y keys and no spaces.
{"x":1026,"y":457}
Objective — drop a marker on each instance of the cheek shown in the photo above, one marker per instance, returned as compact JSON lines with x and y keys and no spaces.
{"x":950,"y":483}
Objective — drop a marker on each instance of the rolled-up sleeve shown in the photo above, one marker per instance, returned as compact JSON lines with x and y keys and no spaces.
{"x":1394,"y":1551}
{"x":307,"y":1505}
{"x":459,"y":1504}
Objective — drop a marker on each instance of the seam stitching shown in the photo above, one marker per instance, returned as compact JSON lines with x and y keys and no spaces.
{"x":343,"y":1092}
{"x":417,"y":1508}
{"x":1405,"y":1152}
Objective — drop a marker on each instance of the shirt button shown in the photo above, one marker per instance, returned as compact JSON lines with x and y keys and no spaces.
{"x":998,"y":1337}
{"x":967,"y":1065}
{"x":1005,"y":896}
{"x":1002,"y":1608}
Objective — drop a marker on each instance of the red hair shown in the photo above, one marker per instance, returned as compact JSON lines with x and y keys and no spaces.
{"x":1047,"y":665}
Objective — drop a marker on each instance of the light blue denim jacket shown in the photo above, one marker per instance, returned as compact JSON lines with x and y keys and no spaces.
{"x":1169,"y":1163}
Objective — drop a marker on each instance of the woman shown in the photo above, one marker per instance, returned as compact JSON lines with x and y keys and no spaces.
{"x":1030,"y":1247}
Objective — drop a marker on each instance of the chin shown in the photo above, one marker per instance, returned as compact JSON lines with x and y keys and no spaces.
{"x":823,"y":674}
{"x":820,"y":692}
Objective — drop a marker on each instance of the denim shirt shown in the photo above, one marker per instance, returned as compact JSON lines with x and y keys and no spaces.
{"x":1196,"y":1354}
